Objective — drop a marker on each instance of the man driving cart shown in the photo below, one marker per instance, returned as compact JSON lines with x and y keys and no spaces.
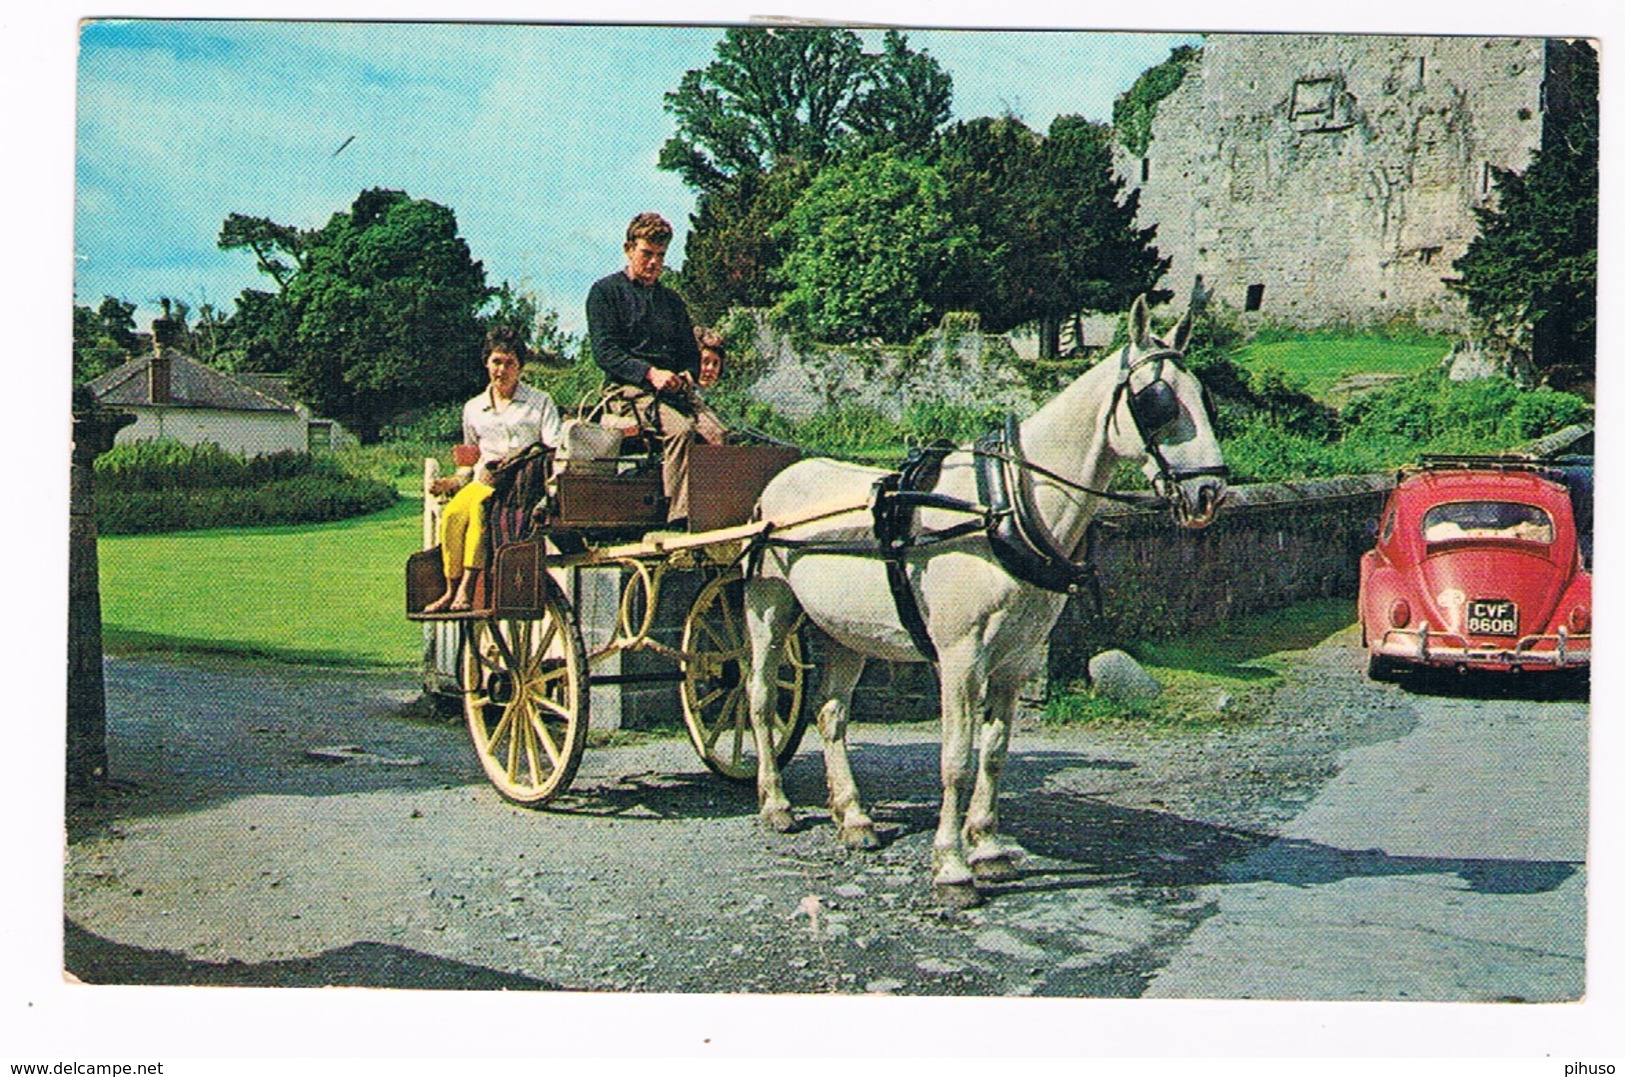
{"x":644,"y":341}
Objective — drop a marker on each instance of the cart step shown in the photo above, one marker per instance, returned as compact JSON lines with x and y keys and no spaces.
{"x":451,"y":615}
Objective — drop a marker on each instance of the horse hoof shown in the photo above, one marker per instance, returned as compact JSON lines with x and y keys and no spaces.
{"x":779,"y":820}
{"x":860,"y":837}
{"x":956,"y":896}
{"x":995,"y":869}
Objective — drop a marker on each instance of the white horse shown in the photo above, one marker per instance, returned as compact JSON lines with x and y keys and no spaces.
{"x":987,"y":627}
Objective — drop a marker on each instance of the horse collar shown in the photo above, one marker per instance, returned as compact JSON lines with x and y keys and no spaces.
{"x":1019,"y":538}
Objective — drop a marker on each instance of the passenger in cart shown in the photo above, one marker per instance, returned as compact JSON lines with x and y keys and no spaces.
{"x":505,"y":421}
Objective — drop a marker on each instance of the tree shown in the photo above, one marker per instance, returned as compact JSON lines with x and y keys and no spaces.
{"x":732,"y":253}
{"x":377,"y":311}
{"x":538,"y":326}
{"x":1057,"y":231}
{"x":268,"y":241}
{"x":783,"y":94}
{"x":874,"y":249}
{"x":907,"y":100}
{"x":756,"y":124}
{"x":260,"y":333}
{"x":1094,"y":258}
{"x":210,"y":338}
{"x":103,"y":337}
{"x":989,"y":165}
{"x":1530,"y":275}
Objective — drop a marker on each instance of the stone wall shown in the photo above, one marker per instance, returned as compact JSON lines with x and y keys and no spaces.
{"x":957,"y":364}
{"x":1272,"y":544}
{"x":1332,"y":178}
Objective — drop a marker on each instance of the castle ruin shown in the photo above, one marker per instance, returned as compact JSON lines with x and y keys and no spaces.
{"x":1322,"y":179}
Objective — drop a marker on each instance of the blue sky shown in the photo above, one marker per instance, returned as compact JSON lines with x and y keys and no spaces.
{"x":543,"y":139}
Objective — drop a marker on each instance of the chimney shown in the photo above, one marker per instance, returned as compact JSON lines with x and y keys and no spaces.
{"x":159,"y":369}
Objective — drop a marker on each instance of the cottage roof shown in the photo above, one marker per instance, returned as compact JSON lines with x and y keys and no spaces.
{"x":191,"y":385}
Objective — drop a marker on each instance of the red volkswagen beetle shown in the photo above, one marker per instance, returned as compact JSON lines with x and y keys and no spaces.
{"x":1478,"y":565}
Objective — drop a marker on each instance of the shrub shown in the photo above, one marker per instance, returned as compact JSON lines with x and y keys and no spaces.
{"x":441,"y":424}
{"x":166,"y":465}
{"x":152,"y":486}
{"x":1393,"y":426}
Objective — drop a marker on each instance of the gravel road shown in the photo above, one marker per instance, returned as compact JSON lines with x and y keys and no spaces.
{"x":286,"y":826}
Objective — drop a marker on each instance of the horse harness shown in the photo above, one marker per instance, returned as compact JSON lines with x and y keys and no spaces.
{"x":1006,"y":514}
{"x":1155,"y":408}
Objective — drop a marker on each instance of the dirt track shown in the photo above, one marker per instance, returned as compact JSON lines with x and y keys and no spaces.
{"x":240,"y":856}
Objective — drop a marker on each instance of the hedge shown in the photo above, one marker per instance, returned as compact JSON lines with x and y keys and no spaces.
{"x":153,"y":486}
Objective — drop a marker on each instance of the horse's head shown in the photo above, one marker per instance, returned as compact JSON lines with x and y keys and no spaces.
{"x":1162,"y":415}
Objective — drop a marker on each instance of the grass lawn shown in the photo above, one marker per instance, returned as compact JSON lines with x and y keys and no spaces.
{"x":330,"y":594}
{"x":1220,"y":673}
{"x":1318,"y":363}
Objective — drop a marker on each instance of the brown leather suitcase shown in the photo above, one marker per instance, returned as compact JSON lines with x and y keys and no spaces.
{"x":631,"y":499}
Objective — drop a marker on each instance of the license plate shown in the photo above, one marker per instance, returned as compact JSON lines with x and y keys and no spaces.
{"x":1492,"y":617}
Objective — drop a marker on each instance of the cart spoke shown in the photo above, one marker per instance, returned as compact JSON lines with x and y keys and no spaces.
{"x":542,"y":682}
{"x":504,"y":725}
{"x":740,"y":707}
{"x":530,"y":756}
{"x":565,"y":714}
{"x":718,"y":643}
{"x":550,"y":632}
{"x":724,"y":713}
{"x":514,"y":733}
{"x":541,"y":733}
{"x":730,"y":626}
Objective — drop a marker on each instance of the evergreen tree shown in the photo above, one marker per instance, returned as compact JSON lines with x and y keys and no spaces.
{"x":1530,"y":276}
{"x":1058,"y":233}
{"x":103,"y":337}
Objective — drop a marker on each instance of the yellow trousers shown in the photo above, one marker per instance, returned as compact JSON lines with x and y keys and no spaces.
{"x":462,"y":530}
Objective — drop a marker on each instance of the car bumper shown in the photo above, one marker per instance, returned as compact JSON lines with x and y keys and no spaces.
{"x":1560,"y":650}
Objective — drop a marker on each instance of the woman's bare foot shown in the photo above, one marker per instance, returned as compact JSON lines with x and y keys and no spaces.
{"x":443,"y":603}
{"x":464,"y":598}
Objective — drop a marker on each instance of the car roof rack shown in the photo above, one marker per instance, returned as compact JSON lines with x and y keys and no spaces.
{"x":1441,"y":460}
{"x":1431,"y":462}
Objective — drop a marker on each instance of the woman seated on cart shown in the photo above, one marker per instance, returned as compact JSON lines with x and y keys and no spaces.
{"x":504,"y":421}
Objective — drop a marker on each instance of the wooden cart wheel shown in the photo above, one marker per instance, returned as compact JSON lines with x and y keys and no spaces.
{"x":525,"y":697}
{"x":716,"y":707}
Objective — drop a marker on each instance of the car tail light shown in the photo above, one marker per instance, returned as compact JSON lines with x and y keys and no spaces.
{"x":1580,"y":619}
{"x":1399,"y":614}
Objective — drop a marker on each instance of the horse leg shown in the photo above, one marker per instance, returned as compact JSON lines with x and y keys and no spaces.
{"x":962,"y":690}
{"x":991,"y":860}
{"x":840,"y":675}
{"x":770,"y":609}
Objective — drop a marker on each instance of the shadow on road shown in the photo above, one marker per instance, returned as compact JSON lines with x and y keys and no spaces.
{"x":659,"y":795}
{"x":1547,"y":687}
{"x":1105,"y":844}
{"x":1307,"y":863}
{"x":94,"y":959}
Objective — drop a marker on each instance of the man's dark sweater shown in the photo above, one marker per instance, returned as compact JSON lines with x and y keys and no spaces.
{"x":634,"y":327}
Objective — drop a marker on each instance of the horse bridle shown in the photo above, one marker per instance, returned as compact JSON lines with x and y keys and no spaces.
{"x":1154,"y":409}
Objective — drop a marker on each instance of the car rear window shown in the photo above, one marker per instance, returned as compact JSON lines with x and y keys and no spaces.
{"x":1495,"y":520}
